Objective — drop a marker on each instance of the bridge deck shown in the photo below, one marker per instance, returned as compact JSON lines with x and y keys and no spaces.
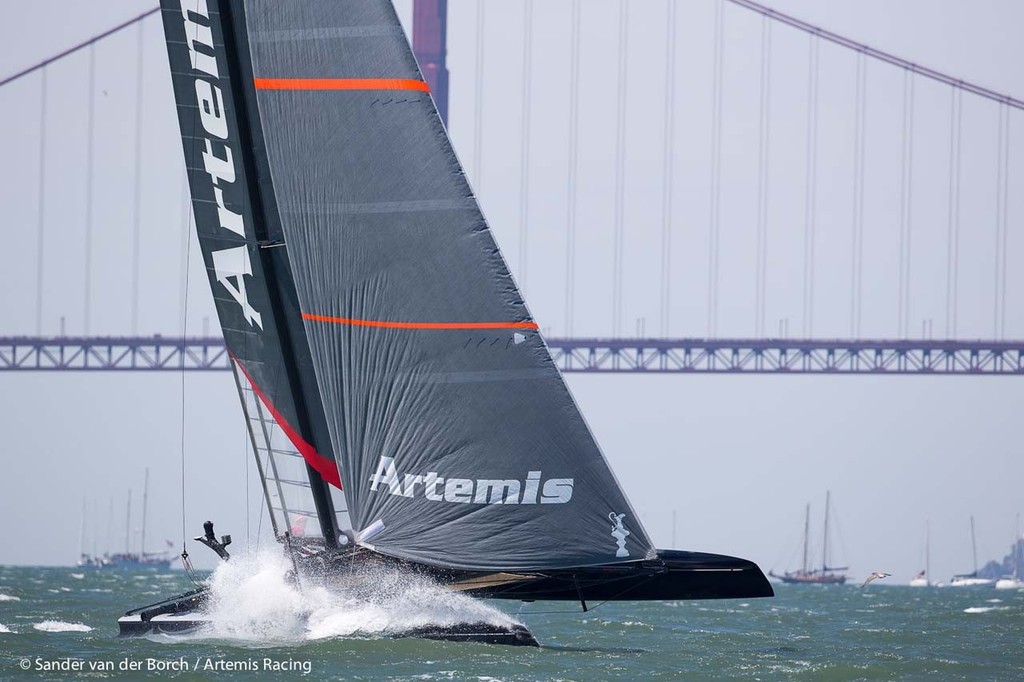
{"x":650,"y":356}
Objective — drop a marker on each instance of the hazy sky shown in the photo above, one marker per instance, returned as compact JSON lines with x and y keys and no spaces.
{"x":736,"y":457}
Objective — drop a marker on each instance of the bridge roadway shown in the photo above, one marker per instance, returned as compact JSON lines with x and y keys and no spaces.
{"x":641,"y":356}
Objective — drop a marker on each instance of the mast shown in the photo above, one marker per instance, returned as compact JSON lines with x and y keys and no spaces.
{"x":927,"y":552}
{"x":81,"y":531}
{"x":974,"y":548}
{"x":128,"y":525}
{"x":145,"y":498}
{"x":807,"y":532}
{"x":1016,"y":550}
{"x":824,"y":544}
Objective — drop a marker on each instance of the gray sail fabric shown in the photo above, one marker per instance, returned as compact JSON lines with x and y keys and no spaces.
{"x":456,"y":436}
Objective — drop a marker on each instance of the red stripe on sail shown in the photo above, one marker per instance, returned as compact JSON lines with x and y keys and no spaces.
{"x":418,"y":325}
{"x":340,"y":84}
{"x":327,"y":468}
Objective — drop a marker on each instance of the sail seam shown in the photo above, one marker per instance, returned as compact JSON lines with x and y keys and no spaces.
{"x":418,"y":325}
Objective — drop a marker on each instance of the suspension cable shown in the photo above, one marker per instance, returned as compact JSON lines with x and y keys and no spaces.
{"x":880,"y":55}
{"x":953,"y":233}
{"x":716,"y":171}
{"x":620,"y":170}
{"x":668,"y":166}
{"x":857,"y":243}
{"x":999,"y":316}
{"x":89,"y":154}
{"x":811,"y":186}
{"x":524,"y":151}
{"x":41,"y":241}
{"x":905,"y":204}
{"x":570,"y":231}
{"x":76,"y":48}
{"x":478,"y":119}
{"x":763,"y":155}
{"x":137,"y":202}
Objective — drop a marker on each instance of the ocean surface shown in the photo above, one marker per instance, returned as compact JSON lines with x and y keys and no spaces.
{"x":53,"y":617}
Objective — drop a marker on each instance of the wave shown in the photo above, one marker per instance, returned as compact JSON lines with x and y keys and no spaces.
{"x":253,"y":600}
{"x":61,"y":626}
{"x":7,"y":597}
{"x":4,"y":628}
{"x":985,"y":609}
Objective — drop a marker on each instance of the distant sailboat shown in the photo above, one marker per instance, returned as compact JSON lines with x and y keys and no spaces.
{"x":1014,"y":581}
{"x":826,"y":575}
{"x":923,"y":579}
{"x":971,"y":579}
{"x":129,"y":559}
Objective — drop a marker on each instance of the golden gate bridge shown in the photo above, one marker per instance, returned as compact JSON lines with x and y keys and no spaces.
{"x":661,"y":254}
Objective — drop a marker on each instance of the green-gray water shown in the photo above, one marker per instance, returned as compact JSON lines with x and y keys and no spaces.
{"x":885,"y":631}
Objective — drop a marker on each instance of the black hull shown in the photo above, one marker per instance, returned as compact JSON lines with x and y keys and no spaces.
{"x":671,"y":575}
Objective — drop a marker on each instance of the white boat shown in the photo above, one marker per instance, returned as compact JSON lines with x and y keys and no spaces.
{"x":1013,"y":581}
{"x":971,"y":579}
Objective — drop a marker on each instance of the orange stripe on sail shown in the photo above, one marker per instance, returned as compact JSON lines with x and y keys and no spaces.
{"x":419,"y":325}
{"x":340,"y":84}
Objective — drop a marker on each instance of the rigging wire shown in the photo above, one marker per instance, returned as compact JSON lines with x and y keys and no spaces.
{"x":668,"y":163}
{"x":763,"y":151}
{"x":184,"y":336}
{"x":89,"y":154}
{"x":524,"y":151}
{"x":811,"y":187}
{"x":620,"y":169}
{"x":716,"y":170}
{"x":40,"y":241}
{"x":137,"y":205}
{"x":570,"y":232}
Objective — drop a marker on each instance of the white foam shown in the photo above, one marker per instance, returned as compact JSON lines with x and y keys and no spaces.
{"x":253,"y":600}
{"x":78,"y":576}
{"x":3,"y":629}
{"x":7,"y":597}
{"x":61,"y":626}
{"x":984,"y":609}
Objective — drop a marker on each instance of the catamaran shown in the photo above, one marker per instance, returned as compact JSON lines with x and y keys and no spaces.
{"x":403,"y":406}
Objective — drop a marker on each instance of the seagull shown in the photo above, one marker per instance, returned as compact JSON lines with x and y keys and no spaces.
{"x":876,"y":574}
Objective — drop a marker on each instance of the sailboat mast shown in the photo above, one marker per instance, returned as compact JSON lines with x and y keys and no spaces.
{"x":1017,"y":550}
{"x":128,"y":525}
{"x":974,"y":547}
{"x":824,"y":544}
{"x":807,"y":532}
{"x":81,"y":532}
{"x":145,"y":499}
{"x":927,"y":552}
